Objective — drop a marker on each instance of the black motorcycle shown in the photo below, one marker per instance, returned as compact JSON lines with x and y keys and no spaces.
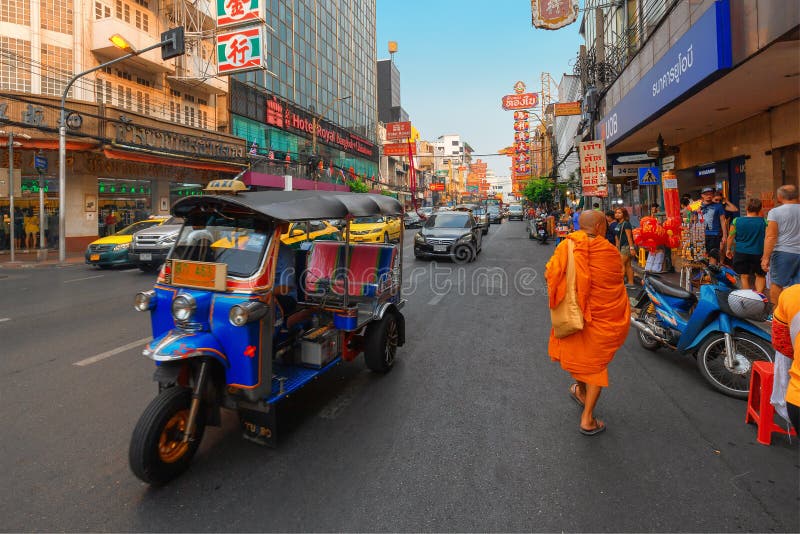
{"x":537,"y":229}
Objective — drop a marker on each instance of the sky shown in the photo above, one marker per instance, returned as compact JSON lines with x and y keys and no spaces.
{"x":458,"y":58}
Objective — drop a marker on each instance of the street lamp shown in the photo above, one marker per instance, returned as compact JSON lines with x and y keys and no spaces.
{"x":11,"y":145}
{"x":315,"y":121}
{"x":171,"y":44}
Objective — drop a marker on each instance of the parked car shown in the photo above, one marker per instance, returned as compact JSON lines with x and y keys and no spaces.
{"x":411,"y":220}
{"x":450,"y":234}
{"x":322,"y":230}
{"x":150,"y":247}
{"x":515,"y":212}
{"x":114,"y":250}
{"x":495,"y":215}
{"x":426,"y":210}
{"x":479,"y":213}
{"x":375,"y":229}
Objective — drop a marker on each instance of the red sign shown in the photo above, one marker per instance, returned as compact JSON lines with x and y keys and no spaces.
{"x":553,"y":14}
{"x":436,"y":187}
{"x":398,"y":130}
{"x":521,"y":101}
{"x":398,"y":149}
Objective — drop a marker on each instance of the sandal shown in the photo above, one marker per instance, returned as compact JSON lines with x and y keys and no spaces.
{"x":573,"y":392}
{"x":599,"y":427}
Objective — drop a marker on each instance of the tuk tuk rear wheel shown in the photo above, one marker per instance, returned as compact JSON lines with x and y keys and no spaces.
{"x":157,"y":452}
{"x":380,"y":344}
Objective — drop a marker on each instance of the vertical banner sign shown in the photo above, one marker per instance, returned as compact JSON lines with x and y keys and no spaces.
{"x":232,"y":12}
{"x":240,"y":50}
{"x":593,"y":168}
{"x":672,"y":203}
{"x":553,"y":14}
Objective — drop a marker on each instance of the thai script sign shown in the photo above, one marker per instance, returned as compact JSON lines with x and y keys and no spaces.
{"x":553,"y":14}
{"x":593,"y":168}
{"x":398,"y":130}
{"x":240,"y":50}
{"x":231,"y":12}
{"x":563,"y":109}
{"x":166,"y":141}
{"x":520,"y":101}
{"x":398,"y":149}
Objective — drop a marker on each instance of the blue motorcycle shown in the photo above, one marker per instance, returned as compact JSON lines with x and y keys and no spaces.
{"x":720,"y":328}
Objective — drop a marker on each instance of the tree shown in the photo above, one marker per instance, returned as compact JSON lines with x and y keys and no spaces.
{"x":539,"y":191}
{"x":357,"y":186}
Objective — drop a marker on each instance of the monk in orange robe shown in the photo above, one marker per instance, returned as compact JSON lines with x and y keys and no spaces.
{"x":606,"y":311}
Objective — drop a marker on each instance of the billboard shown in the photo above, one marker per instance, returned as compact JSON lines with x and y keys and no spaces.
{"x":232,"y":12}
{"x":240,"y":50}
{"x":398,"y":130}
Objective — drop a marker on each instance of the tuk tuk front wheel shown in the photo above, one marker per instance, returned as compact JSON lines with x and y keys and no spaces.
{"x":380,"y":344}
{"x":157,"y":452}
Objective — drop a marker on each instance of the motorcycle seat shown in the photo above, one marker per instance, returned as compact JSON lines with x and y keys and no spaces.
{"x":670,"y":290}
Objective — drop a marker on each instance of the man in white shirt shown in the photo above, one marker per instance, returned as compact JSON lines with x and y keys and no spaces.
{"x":782,"y":243}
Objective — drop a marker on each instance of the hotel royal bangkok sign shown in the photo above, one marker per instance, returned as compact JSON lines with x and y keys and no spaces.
{"x":553,"y":14}
{"x":240,"y":36}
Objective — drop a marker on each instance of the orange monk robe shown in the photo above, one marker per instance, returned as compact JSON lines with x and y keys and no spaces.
{"x":602,"y":297}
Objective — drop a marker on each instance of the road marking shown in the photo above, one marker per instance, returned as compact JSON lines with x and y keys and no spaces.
{"x":436,"y":300}
{"x":4,"y":319}
{"x":112,"y":352}
{"x":85,"y":278}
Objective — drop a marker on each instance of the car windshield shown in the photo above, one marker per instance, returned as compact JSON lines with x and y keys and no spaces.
{"x":236,"y":239}
{"x":173,"y":221}
{"x":448,"y":220}
{"x":515,"y":208}
{"x":368,"y":220}
{"x":494,"y":209}
{"x":478,"y":211}
{"x":135,"y":227}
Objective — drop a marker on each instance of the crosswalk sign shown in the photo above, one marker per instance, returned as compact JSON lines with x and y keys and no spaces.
{"x":649,"y":176}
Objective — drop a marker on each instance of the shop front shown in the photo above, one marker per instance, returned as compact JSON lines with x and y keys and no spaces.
{"x":121,"y":167}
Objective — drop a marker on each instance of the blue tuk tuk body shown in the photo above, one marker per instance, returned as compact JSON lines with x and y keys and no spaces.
{"x":240,"y":322}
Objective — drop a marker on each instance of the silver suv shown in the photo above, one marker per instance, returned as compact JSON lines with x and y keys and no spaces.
{"x":151,"y":246}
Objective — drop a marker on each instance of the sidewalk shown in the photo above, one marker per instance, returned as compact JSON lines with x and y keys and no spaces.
{"x":24,"y":259}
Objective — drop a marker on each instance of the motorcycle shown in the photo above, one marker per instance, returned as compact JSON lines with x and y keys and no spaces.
{"x":537,"y":229}
{"x":720,"y":331}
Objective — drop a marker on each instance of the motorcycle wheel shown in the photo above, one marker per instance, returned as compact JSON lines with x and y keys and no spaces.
{"x":380,"y":344}
{"x":157,"y":454}
{"x":711,"y":362}
{"x":648,"y":342}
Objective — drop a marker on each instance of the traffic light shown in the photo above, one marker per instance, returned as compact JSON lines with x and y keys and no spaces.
{"x":174,"y":43}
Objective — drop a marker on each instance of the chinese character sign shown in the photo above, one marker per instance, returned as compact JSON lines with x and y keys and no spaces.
{"x":522,"y":157}
{"x":553,"y":14}
{"x":593,"y":168}
{"x":231,"y":12}
{"x":240,"y":50}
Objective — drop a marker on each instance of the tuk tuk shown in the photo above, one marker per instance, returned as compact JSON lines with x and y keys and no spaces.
{"x":240,"y":320}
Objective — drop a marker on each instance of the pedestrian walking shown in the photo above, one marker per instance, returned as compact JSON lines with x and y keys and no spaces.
{"x":585,"y":274}
{"x":624,"y":242}
{"x":714,"y":221}
{"x":746,"y":246}
{"x":781,"y":256}
{"x":31,"y":222}
{"x":111,"y":223}
{"x":611,"y":234}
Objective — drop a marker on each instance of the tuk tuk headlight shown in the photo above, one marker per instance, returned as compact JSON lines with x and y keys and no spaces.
{"x":241,"y":314}
{"x":183,"y":307}
{"x":143,"y":301}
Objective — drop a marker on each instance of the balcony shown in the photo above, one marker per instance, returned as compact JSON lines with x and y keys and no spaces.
{"x":198,"y":73}
{"x":149,"y":61}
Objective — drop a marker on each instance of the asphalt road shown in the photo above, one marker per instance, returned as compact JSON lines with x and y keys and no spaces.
{"x":473,"y":430}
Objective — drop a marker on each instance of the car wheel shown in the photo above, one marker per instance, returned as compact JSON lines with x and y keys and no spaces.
{"x":380,"y":343}
{"x":463,"y":254}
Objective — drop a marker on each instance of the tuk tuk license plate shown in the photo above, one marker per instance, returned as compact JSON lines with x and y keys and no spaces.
{"x":94,"y":257}
{"x":146,"y":256}
{"x":440,"y":248}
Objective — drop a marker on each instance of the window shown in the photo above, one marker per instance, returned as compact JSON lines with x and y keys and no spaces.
{"x":175,"y":93}
{"x":128,"y":98}
{"x":56,"y":69}
{"x":142,"y":21}
{"x":139,"y":102}
{"x":143,"y":3}
{"x":454,"y":143}
{"x":56,"y":16}
{"x":118,"y":9}
{"x":127,"y":13}
{"x":101,"y":10}
{"x":186,"y":114}
{"x":15,"y":11}
{"x":147,"y":104}
{"x":15,"y":67}
{"x":120,"y":95}
{"x":172,"y":111}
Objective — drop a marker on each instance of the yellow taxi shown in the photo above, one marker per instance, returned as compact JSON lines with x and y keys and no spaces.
{"x":375,"y":229}
{"x":322,"y":230}
{"x":112,"y":250}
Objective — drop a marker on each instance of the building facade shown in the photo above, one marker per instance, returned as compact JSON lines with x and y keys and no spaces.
{"x":141,"y":133}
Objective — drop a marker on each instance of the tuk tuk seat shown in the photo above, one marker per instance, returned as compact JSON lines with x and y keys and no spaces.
{"x":370,"y":274}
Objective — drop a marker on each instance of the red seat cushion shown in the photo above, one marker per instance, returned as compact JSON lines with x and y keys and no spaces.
{"x":369,"y":274}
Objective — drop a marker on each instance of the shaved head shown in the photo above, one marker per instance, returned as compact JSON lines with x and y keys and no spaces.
{"x":589,"y":220}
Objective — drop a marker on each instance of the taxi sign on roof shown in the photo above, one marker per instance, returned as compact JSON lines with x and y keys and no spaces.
{"x":226,"y":186}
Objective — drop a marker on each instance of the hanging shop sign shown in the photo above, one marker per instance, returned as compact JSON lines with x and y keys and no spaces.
{"x":553,"y":14}
{"x":240,"y":50}
{"x":281,"y":114}
{"x":563,"y":109}
{"x":232,"y":12}
{"x":436,"y":187}
{"x":399,"y":149}
{"x":396,"y":131}
{"x":703,"y":50}
{"x":593,"y":168}
{"x":169,"y":142}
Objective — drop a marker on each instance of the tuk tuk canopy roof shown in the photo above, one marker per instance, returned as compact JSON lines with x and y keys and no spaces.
{"x":299,"y":205}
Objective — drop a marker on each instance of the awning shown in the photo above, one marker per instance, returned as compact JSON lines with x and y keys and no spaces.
{"x":51,"y":144}
{"x":175,"y":161}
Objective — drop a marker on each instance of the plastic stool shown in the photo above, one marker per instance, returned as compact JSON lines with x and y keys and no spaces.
{"x":759,"y":410}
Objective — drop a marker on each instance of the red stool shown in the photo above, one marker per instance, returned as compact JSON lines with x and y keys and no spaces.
{"x":759,"y":410}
